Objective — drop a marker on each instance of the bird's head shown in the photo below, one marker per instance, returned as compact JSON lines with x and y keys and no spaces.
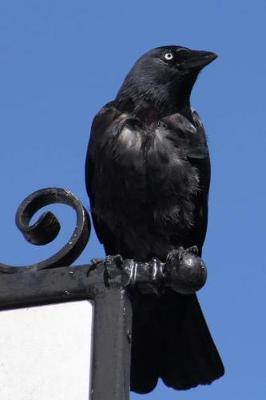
{"x":164,"y":77}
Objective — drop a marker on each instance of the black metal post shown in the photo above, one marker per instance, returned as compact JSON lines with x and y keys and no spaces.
{"x":111,"y":349}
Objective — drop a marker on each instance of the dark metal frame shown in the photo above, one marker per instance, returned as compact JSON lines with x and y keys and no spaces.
{"x":105,"y":282}
{"x":112,"y":318}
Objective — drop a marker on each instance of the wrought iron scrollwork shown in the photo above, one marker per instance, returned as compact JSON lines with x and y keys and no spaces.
{"x":47,"y":228}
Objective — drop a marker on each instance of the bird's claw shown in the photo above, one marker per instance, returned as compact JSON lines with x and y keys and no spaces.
{"x":95,"y":262}
{"x":193,"y":250}
{"x":185,"y":270}
{"x":114,"y":259}
{"x":93,"y":265}
{"x":178,"y":254}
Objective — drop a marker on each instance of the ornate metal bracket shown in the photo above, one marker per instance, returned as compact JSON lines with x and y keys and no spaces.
{"x":183,"y":270}
{"x":47,"y":228}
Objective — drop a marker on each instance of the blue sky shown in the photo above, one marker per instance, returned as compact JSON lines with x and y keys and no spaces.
{"x":61,"y":60}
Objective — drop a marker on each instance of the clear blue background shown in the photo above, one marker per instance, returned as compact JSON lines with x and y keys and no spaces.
{"x":61,"y":60}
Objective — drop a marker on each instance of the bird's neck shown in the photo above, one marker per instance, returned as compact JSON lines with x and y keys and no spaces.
{"x":178,"y":100}
{"x":151,"y":112}
{"x":151,"y":103}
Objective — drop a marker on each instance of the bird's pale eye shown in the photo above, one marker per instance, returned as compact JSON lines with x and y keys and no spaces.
{"x":168,"y":56}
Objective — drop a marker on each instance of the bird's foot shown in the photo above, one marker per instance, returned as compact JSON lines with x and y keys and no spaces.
{"x":112,"y":264}
{"x":176,"y":255}
{"x":95,"y":261}
{"x":185,"y":270}
{"x":193,"y":250}
{"x":114,"y":259}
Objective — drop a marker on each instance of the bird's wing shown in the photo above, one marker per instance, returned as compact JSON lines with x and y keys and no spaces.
{"x":111,"y":164}
{"x":191,"y":139}
{"x":203,"y":165}
{"x":201,"y":200}
{"x":102,"y":121}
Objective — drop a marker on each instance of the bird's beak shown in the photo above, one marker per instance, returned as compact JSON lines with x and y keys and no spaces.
{"x":198,"y":59}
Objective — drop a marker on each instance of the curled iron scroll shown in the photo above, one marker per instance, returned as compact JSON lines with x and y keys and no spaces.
{"x":47,"y":228}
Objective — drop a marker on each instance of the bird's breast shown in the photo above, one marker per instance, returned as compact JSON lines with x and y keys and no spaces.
{"x":144,"y":186}
{"x":156,"y":165}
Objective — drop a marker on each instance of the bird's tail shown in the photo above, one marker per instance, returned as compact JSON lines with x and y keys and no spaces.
{"x":171,"y":340}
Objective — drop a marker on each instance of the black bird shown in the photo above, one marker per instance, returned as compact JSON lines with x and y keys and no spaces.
{"x":147,"y":176}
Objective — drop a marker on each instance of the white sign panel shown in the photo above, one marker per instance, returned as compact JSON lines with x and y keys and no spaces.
{"x":45,"y":352}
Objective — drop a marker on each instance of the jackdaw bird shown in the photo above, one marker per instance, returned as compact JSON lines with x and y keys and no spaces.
{"x":147,"y":177}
